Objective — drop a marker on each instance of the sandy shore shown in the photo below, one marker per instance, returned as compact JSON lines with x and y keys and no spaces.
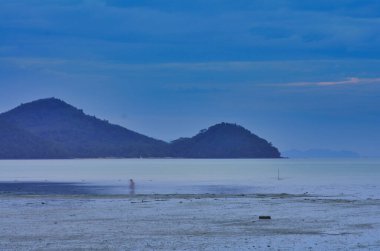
{"x":188,"y":222}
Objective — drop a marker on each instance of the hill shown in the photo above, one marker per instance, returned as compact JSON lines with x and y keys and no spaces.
{"x":224,"y":140}
{"x":16,"y":143}
{"x":80,"y":135}
{"x":51,"y":128}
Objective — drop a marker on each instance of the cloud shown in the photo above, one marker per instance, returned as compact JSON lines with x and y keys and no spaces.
{"x":348,"y":81}
{"x":351,"y":8}
{"x":231,"y":73}
{"x":190,"y":30}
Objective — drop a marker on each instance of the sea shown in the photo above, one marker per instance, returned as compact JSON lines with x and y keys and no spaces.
{"x":358,"y":178}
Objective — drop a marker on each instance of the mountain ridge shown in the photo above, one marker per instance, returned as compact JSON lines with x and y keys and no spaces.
{"x":54,"y":126}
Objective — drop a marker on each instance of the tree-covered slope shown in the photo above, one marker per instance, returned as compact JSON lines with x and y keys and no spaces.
{"x":51,"y":128}
{"x":16,"y":143}
{"x":224,"y":141}
{"x":81,"y":135}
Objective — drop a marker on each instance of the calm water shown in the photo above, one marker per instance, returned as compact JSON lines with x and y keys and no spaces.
{"x":354,"y":177}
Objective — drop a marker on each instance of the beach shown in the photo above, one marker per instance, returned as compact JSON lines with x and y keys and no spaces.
{"x":91,"y":205}
{"x":188,"y":222}
{"x":199,"y":125}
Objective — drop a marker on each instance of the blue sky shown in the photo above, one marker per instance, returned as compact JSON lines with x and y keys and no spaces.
{"x":301,"y":73}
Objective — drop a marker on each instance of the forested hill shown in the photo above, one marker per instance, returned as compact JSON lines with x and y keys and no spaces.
{"x":224,"y":141}
{"x":50,"y":128}
{"x":79,"y":135}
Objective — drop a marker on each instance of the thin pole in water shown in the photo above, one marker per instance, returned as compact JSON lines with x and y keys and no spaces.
{"x":278,"y":173}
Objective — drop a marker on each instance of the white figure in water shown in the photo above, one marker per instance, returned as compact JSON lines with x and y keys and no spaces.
{"x":131,"y":187}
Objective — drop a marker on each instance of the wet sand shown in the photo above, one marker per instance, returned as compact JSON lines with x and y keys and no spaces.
{"x":87,"y":221}
{"x":47,"y":188}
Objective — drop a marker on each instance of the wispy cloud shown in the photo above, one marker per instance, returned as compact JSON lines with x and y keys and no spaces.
{"x":348,"y":81}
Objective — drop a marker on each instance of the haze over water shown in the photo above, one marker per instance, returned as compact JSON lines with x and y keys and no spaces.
{"x":352,"y":177}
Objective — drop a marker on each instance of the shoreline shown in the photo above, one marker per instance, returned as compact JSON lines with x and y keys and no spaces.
{"x":188,"y":222}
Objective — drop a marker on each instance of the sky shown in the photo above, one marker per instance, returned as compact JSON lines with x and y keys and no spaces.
{"x":300,"y":73}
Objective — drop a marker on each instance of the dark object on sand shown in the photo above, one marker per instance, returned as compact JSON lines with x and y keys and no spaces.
{"x":265,"y":217}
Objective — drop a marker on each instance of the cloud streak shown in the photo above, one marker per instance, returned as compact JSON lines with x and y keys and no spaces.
{"x":348,"y":81}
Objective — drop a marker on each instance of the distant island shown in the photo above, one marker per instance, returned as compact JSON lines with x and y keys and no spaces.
{"x":52,"y":129}
{"x":320,"y":153}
